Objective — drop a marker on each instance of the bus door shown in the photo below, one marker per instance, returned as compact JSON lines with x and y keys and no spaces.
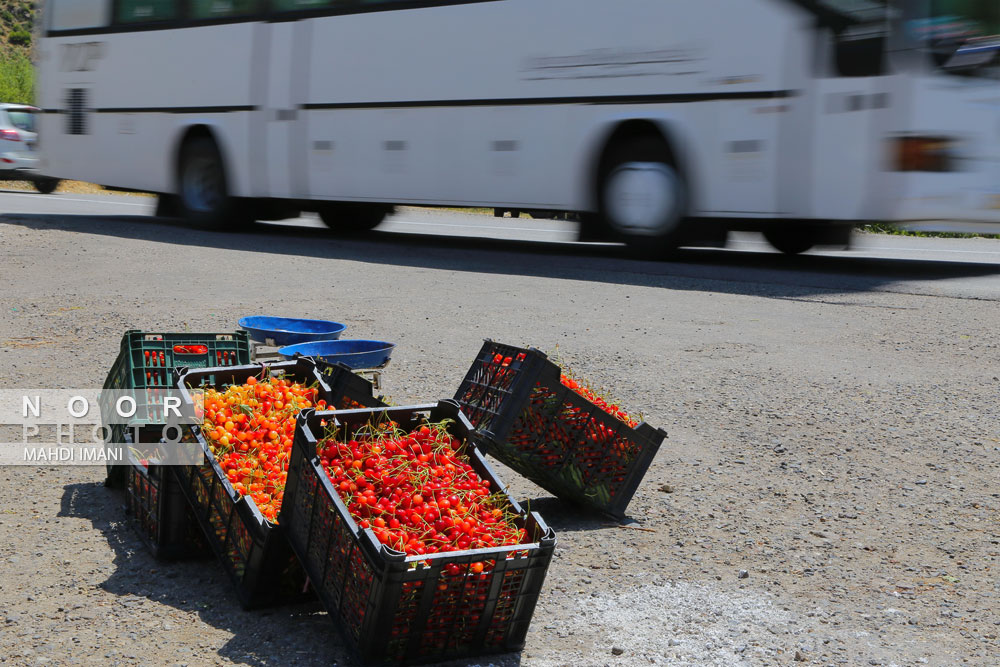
{"x":748,"y":133}
{"x":853,"y":100}
{"x":280,"y":165}
{"x":847,"y":153}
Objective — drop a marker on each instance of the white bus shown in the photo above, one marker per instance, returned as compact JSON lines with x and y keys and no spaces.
{"x":661,"y":122}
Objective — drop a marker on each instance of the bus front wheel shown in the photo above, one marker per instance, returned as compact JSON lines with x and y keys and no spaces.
{"x":642,"y":196}
{"x":203,"y":190}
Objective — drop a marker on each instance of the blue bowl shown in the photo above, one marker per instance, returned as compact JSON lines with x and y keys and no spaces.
{"x":289,"y":331}
{"x":354,"y":353}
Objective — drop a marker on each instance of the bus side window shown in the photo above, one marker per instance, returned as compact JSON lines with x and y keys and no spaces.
{"x":146,"y":11}
{"x":79,"y":14}
{"x":305,"y":5}
{"x":204,"y":10}
{"x":861,"y":57}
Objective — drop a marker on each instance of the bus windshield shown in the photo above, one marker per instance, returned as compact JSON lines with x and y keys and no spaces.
{"x":857,"y":11}
{"x":963,"y":36}
{"x":970,"y":17}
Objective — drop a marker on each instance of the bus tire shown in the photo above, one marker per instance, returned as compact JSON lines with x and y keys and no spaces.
{"x":166,"y":206}
{"x":353,"y":219}
{"x":791,"y":240}
{"x":642,"y":196}
{"x":592,"y":228}
{"x":202,"y":186}
{"x":46,"y":185}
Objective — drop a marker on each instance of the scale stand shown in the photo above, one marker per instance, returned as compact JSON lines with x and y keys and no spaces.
{"x":373,"y":375}
{"x":267,"y":352}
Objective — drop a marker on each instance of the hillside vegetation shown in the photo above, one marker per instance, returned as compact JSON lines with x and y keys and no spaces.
{"x":16,"y":21}
{"x":17,"y":79}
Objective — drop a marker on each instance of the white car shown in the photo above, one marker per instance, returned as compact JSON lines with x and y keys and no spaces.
{"x":18,"y":151}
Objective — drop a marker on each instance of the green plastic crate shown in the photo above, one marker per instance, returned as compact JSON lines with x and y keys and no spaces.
{"x":147,"y":361}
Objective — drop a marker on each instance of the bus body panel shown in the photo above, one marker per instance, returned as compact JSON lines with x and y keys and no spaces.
{"x":472,"y":105}
{"x":142,"y":91}
{"x":483,"y":77}
{"x":520,"y":152}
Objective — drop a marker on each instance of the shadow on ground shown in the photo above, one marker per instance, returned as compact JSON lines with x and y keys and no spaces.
{"x":759,"y":274}
{"x":301,"y":634}
{"x":564,"y":516}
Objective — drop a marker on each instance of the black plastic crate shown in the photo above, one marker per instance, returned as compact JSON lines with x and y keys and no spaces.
{"x":146,"y":362}
{"x":349,"y":390}
{"x":253,"y":551}
{"x":157,"y":508}
{"x":398,"y":609}
{"x":552,"y":435}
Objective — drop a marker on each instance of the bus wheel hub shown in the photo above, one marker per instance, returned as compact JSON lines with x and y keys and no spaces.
{"x":641,"y":197}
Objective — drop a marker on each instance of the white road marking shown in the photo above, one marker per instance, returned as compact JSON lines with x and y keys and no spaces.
{"x":851,"y":252}
{"x":869,"y":248}
{"x":62,"y":199}
{"x":391,"y":221}
{"x":938,"y":250}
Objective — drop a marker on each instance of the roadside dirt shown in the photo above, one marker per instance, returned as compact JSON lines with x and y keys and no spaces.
{"x":827,"y":494}
{"x":77,"y":187}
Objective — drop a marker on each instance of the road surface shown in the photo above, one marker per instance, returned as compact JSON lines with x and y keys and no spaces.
{"x":947,"y":267}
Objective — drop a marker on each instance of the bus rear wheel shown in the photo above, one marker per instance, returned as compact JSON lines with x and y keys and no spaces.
{"x":353,"y":219}
{"x":203,"y":190}
{"x":642,"y":196}
{"x":790,"y":240}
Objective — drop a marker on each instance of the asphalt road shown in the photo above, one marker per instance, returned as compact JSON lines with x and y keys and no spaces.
{"x":965,"y":268}
{"x":827,"y":493}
